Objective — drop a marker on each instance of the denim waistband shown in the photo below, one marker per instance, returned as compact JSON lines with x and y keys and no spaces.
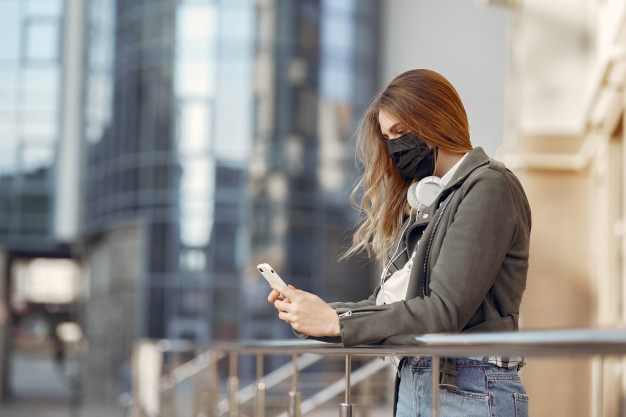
{"x":426,"y":361}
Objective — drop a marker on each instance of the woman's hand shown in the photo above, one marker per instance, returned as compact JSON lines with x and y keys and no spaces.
{"x":306,"y":312}
{"x":276,"y":295}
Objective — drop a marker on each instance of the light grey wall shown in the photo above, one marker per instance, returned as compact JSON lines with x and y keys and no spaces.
{"x":460,"y":39}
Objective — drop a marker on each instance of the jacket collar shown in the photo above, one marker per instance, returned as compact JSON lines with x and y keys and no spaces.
{"x":475,"y":158}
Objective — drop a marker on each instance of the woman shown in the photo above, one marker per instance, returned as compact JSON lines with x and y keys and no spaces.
{"x":452,"y":261}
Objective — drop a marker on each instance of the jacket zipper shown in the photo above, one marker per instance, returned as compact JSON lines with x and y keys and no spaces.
{"x":351,"y":313}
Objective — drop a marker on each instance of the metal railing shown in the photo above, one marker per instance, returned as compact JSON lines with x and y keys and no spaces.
{"x":149,"y":394}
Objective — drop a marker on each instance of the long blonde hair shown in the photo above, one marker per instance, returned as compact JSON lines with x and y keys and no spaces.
{"x":425,"y":103}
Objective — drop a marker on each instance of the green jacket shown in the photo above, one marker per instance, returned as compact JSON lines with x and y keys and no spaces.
{"x":470,"y":267}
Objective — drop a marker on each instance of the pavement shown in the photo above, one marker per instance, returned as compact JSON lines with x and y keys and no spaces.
{"x":51,"y":408}
{"x":39,"y":388}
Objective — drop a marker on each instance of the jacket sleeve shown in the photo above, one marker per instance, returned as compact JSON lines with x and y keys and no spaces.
{"x":472,"y":252}
{"x":340,"y":307}
{"x":352,"y":305}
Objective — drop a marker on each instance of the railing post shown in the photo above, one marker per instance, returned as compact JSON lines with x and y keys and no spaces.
{"x":435,"y":385}
{"x":260,"y":388}
{"x":597,"y":386}
{"x":295,"y":396}
{"x":213,"y":385}
{"x":233,"y":385}
{"x":346,"y":409}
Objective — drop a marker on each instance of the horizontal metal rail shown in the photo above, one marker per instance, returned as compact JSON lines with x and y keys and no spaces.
{"x":547,"y":343}
{"x":555,"y":343}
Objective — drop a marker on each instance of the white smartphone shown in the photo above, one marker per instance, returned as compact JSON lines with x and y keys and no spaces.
{"x":269,"y":274}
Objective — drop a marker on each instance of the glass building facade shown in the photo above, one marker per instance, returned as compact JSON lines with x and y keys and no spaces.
{"x":316,"y":70}
{"x":216,"y":137}
{"x":167,"y":132}
{"x":30,"y":115}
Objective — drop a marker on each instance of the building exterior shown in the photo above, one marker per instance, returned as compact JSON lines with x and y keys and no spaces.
{"x":316,"y":69}
{"x":215,"y":137}
{"x":565,"y":137}
{"x":39,"y":122}
{"x":169,"y":99}
{"x":30,"y":122}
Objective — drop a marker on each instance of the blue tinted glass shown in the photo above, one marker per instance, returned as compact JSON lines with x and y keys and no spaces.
{"x":42,"y":40}
{"x":233,"y":113}
{"x":10,"y":30}
{"x":240,"y":22}
{"x":36,"y":156}
{"x":44,"y":7}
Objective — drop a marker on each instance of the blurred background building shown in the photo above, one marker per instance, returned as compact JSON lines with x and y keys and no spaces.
{"x":152,"y":153}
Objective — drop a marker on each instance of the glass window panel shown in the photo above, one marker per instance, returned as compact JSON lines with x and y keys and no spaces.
{"x":198,"y":176}
{"x":5,"y":200}
{"x":162,"y":176}
{"x":194,"y":301}
{"x":7,"y":148}
{"x":196,"y":22}
{"x":43,"y":7}
{"x":40,"y":100}
{"x":195,"y":79}
{"x":194,"y":127}
{"x":196,"y":27}
{"x":225,"y":251}
{"x":40,"y":91}
{"x":338,"y":31}
{"x":338,"y":34}
{"x":7,"y":164}
{"x":192,"y":260}
{"x":8,"y":74}
{"x":35,"y":203}
{"x":41,"y":77}
{"x":228,"y":177}
{"x":339,"y":6}
{"x":42,"y":40}
{"x":98,"y":111}
{"x":10,"y":29}
{"x":34,"y":225}
{"x":336,"y":80}
{"x":8,"y":102}
{"x":233,"y":113}
{"x":196,"y":196}
{"x":41,"y":124}
{"x":145,"y":179}
{"x":195,"y":227}
{"x":241,"y":24}
{"x":36,"y":156}
{"x":301,"y":244}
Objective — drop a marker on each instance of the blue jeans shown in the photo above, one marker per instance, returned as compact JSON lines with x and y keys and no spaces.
{"x":482,"y":390}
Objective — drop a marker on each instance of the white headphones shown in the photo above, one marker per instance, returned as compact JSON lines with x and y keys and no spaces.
{"x":423,"y":193}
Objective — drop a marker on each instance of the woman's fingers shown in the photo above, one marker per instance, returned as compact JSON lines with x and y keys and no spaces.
{"x":288,"y":291}
{"x":274,"y":295}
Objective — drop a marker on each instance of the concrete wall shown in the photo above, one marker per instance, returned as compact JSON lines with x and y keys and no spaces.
{"x":567,"y":146}
{"x":463,"y":41}
{"x":559,"y":293}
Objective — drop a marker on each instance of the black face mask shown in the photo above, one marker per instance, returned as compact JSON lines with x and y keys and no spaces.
{"x":412,"y":156}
